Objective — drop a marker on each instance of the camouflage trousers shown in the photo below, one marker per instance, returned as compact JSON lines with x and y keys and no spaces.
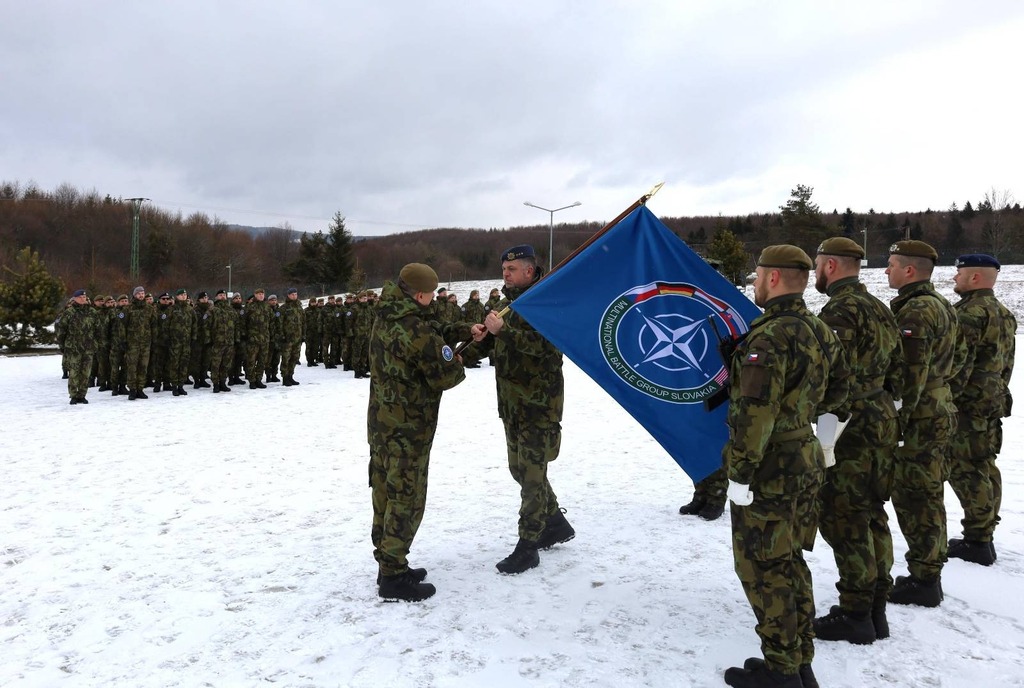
{"x":918,"y":493}
{"x":853,"y":521}
{"x":79,"y":369}
{"x":273,"y":360}
{"x":972,"y":465}
{"x":199,"y":361}
{"x":530,"y":447}
{"x":137,"y":362}
{"x":239,"y":359}
{"x":178,"y":354}
{"x":101,"y":365}
{"x":257,"y":353}
{"x":711,"y":490}
{"x":360,"y":360}
{"x":117,"y":367}
{"x":345,"y":352}
{"x":768,"y":539}
{"x":398,"y":481}
{"x":158,"y":362}
{"x":313,"y":349}
{"x":221,"y":357}
{"x":290,"y":357}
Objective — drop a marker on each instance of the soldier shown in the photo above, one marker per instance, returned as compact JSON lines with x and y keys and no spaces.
{"x":472,"y":312}
{"x":158,"y":355}
{"x":852,"y":516}
{"x":363,"y":323}
{"x":118,"y":335}
{"x":347,"y":330}
{"x":257,"y":334}
{"x":97,"y":376}
{"x":81,"y":332}
{"x":789,"y":369}
{"x":530,"y":399}
{"x":103,"y":353}
{"x":235,"y":377}
{"x":982,"y":396}
{"x":181,"y":334}
{"x":312,"y":333}
{"x":59,"y":331}
{"x":141,"y":326}
{"x":933,"y":353}
{"x":493,"y":304}
{"x":224,"y":334}
{"x":292,"y":325}
{"x":199,"y":365}
{"x":274,"y":356}
{"x":708,"y":497}
{"x":412,"y":366}
{"x":440,"y":305}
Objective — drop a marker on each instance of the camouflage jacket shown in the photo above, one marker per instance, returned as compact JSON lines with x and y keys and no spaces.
{"x":932,"y":348}
{"x":103,"y":315}
{"x":874,"y":353}
{"x":981,"y":390}
{"x":204,"y":321}
{"x":117,"y":328}
{"x":82,"y":329}
{"x":493,"y":304}
{"x":363,"y":320}
{"x":311,"y":322}
{"x":162,"y":335}
{"x":292,"y":321}
{"x":473,"y":311}
{"x":224,"y":329}
{"x":141,"y":326}
{"x":789,"y":369}
{"x":276,"y":331}
{"x":527,"y":370}
{"x":257,"y":320}
{"x":182,"y":323}
{"x":410,"y":367}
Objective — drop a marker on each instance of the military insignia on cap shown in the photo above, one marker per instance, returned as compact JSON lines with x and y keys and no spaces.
{"x":895,"y":248}
{"x":447,"y":353}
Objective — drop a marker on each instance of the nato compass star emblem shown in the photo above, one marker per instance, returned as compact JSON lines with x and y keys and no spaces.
{"x":657,"y":338}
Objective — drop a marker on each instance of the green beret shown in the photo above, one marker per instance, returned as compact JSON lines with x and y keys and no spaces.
{"x":841,"y":246}
{"x":419,"y":277}
{"x":180,"y":292}
{"x":785,"y":256}
{"x":912,"y":248}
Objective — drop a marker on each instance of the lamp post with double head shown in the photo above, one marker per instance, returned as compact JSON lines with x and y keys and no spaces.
{"x":551,"y":228}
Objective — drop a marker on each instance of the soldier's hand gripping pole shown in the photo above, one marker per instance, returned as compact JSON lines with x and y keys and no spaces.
{"x":726,"y":348}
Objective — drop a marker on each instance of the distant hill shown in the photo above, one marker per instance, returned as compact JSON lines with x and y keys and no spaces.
{"x":260,"y":231}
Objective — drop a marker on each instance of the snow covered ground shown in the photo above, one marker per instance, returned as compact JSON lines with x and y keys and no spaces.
{"x":223,"y":540}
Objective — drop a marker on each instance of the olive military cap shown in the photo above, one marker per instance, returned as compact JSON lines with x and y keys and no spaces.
{"x":976,"y":260}
{"x":841,"y":246}
{"x":420,"y":277}
{"x":785,"y":256}
{"x":913,"y":248}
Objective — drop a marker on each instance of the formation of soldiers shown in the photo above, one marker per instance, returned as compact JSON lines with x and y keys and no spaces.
{"x":130,"y":344}
{"x":141,"y":342}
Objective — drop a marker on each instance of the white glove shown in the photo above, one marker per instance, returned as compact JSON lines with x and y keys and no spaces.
{"x":828,"y":430}
{"x":739,"y":494}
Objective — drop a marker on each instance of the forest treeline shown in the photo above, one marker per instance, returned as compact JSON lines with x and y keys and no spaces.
{"x":84,"y":238}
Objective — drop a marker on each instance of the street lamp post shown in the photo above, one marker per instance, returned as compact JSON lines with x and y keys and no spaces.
{"x":864,"y":262}
{"x":551,"y":229}
{"x":228,"y":266}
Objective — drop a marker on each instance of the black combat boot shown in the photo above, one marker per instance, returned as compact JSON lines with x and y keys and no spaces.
{"x":202,"y":383}
{"x":105,"y":387}
{"x":556,"y":530}
{"x":807,"y":677}
{"x":175,"y":392}
{"x":216,"y":388}
{"x":712,"y":511}
{"x":252,"y":385}
{"x":405,"y":588}
{"x":132,"y":396}
{"x":842,"y":625}
{"x":224,"y":387}
{"x":760,"y":676}
{"x":523,"y":558}
{"x":141,"y":395}
{"x":417,"y":575}
{"x":911,"y":590}
{"x":693,"y":507}
{"x":287,"y":382}
{"x":64,"y":376}
{"x":879,"y":619}
{"x":235,"y":381}
{"x":976,"y":552}
{"x":157,"y":388}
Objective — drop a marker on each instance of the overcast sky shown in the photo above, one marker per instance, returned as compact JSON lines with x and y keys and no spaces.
{"x":407,"y":115}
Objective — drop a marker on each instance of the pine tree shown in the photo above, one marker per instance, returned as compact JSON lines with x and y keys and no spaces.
{"x":311,"y":267}
{"x":29,"y":301}
{"x":728,"y":250}
{"x":801,"y":218}
{"x":339,"y":256}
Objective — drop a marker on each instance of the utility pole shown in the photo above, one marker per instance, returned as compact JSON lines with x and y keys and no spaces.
{"x":864,"y":260}
{"x":133,"y":269}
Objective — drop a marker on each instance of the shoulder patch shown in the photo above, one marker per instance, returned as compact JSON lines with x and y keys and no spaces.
{"x":907,"y":332}
{"x":163,"y":316}
{"x":120,"y":315}
{"x":447,"y":353}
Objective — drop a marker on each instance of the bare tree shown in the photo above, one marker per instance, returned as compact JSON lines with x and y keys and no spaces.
{"x":997,"y":231}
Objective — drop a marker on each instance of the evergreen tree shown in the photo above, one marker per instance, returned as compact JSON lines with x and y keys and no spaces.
{"x":29,"y":301}
{"x":728,"y":250}
{"x":801,"y":218}
{"x":339,"y":255}
{"x":848,"y":223}
{"x":311,"y":267}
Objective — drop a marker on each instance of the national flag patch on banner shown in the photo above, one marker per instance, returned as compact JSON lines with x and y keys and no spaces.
{"x":632,"y":311}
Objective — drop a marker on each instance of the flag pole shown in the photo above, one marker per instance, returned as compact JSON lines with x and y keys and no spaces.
{"x":607,"y":228}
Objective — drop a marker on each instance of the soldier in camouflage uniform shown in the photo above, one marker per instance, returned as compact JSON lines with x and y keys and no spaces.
{"x":347,"y":311}
{"x":981,"y":393}
{"x":292,"y":324}
{"x":78,"y":338}
{"x":363,"y":323}
{"x":159,"y":356}
{"x":789,"y":369}
{"x":224,"y":334}
{"x":852,"y":516}
{"x":257,"y":334}
{"x":103,"y":353}
{"x":199,"y":364}
{"x":708,"y":497}
{"x":181,"y":333}
{"x":472,"y":312}
{"x":100,"y":360}
{"x":528,"y":372}
{"x":274,"y":356}
{"x":141,"y":327}
{"x":235,"y":375}
{"x":118,"y":335}
{"x":412,"y":366}
{"x":933,"y":353}
{"x":312,"y":333}
{"x":330,"y":338}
